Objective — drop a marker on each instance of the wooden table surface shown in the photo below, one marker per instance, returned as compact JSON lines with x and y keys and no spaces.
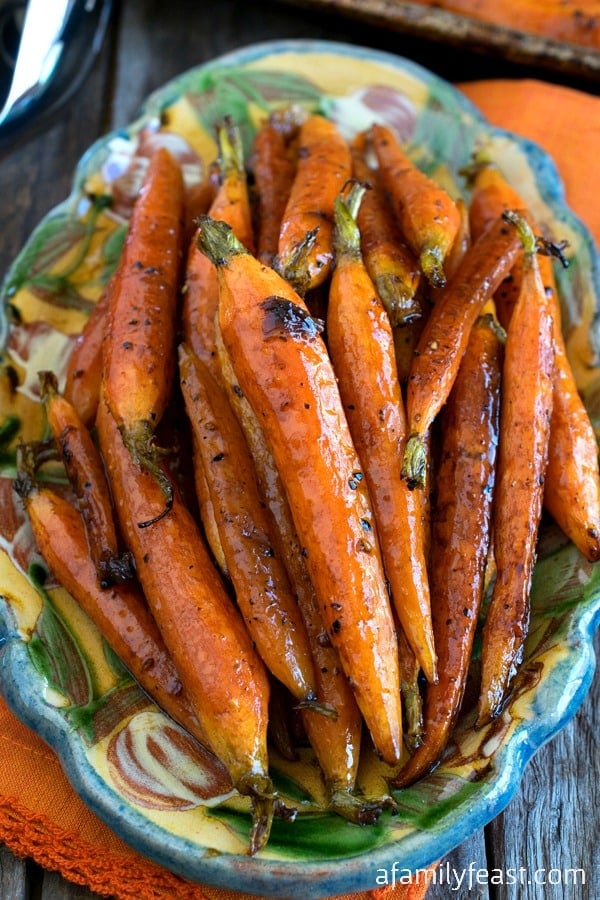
{"x":553,"y":822}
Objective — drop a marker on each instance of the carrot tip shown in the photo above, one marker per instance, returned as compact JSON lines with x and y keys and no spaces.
{"x":402,"y":305}
{"x":431,"y":261}
{"x":414,"y":465}
{"x":139,"y":441}
{"x":323,"y":709}
{"x":413,"y":710}
{"x":360,"y":810}
{"x":216,"y":239}
{"x":294,"y":266}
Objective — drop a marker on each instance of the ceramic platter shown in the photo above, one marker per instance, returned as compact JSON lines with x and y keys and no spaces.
{"x":135,"y":769}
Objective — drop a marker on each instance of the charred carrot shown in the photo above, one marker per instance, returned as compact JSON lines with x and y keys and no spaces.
{"x":360,"y":341}
{"x":572,"y":485}
{"x":232,"y":205}
{"x":85,"y":472}
{"x":461,"y":532}
{"x":392,"y":267}
{"x":446,"y":333}
{"x":324,"y":165}
{"x":84,"y":368}
{"x":527,"y":387}
{"x":198,"y":200}
{"x":120,"y":612}
{"x":273,"y":170}
{"x":427,"y":214}
{"x":283,"y":369}
{"x":205,"y":635}
{"x":139,"y":352}
{"x":259,"y":579}
{"x":335,"y":740}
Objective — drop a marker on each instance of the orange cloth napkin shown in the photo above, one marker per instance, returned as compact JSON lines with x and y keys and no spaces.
{"x":40,"y":815}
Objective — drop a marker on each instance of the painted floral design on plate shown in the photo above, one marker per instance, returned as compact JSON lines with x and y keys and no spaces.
{"x":140,"y":772}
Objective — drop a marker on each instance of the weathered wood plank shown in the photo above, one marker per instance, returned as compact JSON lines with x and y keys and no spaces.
{"x":551,"y":830}
{"x":14,"y":883}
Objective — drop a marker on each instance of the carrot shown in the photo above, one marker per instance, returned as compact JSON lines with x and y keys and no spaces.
{"x":391,"y":265}
{"x":361,"y":345}
{"x":305,"y":250}
{"x":335,"y":740}
{"x":198,"y":200}
{"x":205,"y":635}
{"x":259,"y":579}
{"x":446,"y":333}
{"x":527,"y":388}
{"x":119,"y":612}
{"x":461,"y":532}
{"x":572,"y":485}
{"x":427,"y":215}
{"x":273,"y":170}
{"x":232,"y":205}
{"x":84,"y":367}
{"x":86,"y":475}
{"x":283,"y":369}
{"x":138,"y":355}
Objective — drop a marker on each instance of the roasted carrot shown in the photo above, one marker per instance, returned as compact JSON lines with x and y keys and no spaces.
{"x":283,"y":369}
{"x":198,"y":200}
{"x":527,"y":388}
{"x":427,"y":214}
{"x":232,"y":205}
{"x":204,"y":633}
{"x":360,"y":341}
{"x":391,"y":265}
{"x":446,"y":333}
{"x":259,"y":579}
{"x":273,"y":169}
{"x":139,"y":352}
{"x":336,"y":741}
{"x":84,"y":367}
{"x":119,"y":612}
{"x":85,"y":472}
{"x":572,"y":485}
{"x":305,"y":251}
{"x":461,"y":532}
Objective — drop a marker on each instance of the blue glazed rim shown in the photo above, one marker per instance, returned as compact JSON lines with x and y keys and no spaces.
{"x":314,"y":879}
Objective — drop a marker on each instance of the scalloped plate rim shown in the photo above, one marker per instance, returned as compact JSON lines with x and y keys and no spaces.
{"x":349,"y":873}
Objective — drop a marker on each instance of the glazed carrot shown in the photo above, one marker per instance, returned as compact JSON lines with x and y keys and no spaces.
{"x":427,"y":215}
{"x":461,"y":530}
{"x":205,"y":635}
{"x":139,"y":353}
{"x":273,"y":170}
{"x":527,"y":387}
{"x":84,"y":368}
{"x":391,"y":265}
{"x":360,"y":341}
{"x":85,"y":472}
{"x":120,"y":612}
{"x":232,"y":205}
{"x":572,"y":485}
{"x":446,"y":333}
{"x":198,"y":200}
{"x":335,"y":741}
{"x":323,"y":167}
{"x":259,"y":579}
{"x":283,"y":369}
